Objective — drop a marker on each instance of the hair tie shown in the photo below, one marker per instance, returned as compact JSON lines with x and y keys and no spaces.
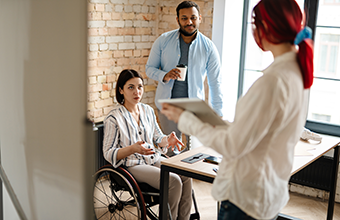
{"x":303,"y":34}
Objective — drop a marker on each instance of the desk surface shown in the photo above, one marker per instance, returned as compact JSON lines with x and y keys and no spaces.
{"x":327,"y":144}
{"x":198,"y":167}
{"x":300,"y":162}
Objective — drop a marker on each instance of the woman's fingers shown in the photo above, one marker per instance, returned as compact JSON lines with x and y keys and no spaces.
{"x":143,"y":150}
{"x":178,"y":147}
{"x":148,"y":151}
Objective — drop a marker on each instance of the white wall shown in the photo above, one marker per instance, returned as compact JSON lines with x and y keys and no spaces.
{"x":227,"y":34}
{"x":45,"y":144}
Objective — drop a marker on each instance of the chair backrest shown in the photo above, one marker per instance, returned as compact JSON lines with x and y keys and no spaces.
{"x":100,"y":160}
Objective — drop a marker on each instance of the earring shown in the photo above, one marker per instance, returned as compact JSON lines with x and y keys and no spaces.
{"x":123,"y":100}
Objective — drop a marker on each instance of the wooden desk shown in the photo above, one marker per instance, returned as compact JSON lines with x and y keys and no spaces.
{"x":204,"y":171}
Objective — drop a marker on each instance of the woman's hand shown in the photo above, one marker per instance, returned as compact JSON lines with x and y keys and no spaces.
{"x":171,"y":112}
{"x":135,"y":148}
{"x":139,"y":148}
{"x":174,"y":142}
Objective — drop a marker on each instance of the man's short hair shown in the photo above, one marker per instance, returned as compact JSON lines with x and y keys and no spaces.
{"x":187,"y":4}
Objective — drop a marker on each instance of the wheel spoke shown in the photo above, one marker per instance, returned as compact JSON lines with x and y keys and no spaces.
{"x":103,"y":188}
{"x":103,"y":214}
{"x":103,"y":191}
{"x":124,"y":215}
{"x":121,"y":193}
{"x":105,"y":207}
{"x":101,"y":183}
{"x":132,"y":212}
{"x":100,"y":201}
{"x":119,"y":215}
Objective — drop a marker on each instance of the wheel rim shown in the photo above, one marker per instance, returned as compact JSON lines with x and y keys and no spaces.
{"x":114,"y":197}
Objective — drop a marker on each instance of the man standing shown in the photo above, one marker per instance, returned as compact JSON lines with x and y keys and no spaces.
{"x":189,"y":47}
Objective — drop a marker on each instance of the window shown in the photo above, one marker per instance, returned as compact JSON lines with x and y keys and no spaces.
{"x":321,"y":117}
{"x":328,"y":54}
{"x":332,"y":1}
{"x":324,"y":103}
{"x":255,"y":59}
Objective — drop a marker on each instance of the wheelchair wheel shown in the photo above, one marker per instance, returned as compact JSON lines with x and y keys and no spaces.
{"x":117,"y":196}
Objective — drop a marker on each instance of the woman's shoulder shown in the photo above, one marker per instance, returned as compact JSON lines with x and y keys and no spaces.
{"x":115,"y":112}
{"x":147,"y":110}
{"x":145,"y":107}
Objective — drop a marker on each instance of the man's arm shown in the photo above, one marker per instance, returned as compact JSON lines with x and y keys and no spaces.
{"x":154,"y":62}
{"x":215,"y":80}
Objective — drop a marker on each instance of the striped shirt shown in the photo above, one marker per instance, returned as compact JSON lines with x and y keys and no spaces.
{"x":121,"y":130}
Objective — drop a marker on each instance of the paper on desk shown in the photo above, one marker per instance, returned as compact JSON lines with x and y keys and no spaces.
{"x":302,"y":150}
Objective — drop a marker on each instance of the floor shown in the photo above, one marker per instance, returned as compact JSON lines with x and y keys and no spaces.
{"x":299,"y":206}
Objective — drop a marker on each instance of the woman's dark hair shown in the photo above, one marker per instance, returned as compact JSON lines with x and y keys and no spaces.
{"x":283,"y":20}
{"x":123,"y":77}
{"x":187,"y":4}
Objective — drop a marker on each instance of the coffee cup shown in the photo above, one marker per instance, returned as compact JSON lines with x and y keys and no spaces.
{"x":183,"y":73}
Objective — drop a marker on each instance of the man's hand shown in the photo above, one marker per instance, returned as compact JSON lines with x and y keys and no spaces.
{"x":172,"y":74}
{"x":171,"y":112}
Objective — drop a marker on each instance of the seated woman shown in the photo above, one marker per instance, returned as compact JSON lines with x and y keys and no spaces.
{"x":130,"y":135}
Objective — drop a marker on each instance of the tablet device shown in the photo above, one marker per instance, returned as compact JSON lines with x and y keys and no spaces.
{"x":200,"y":108}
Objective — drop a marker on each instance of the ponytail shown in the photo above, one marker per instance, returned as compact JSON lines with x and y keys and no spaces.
{"x":305,"y":56}
{"x":305,"y":60}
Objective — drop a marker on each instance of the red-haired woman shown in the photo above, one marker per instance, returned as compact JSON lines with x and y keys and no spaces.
{"x":258,"y":146}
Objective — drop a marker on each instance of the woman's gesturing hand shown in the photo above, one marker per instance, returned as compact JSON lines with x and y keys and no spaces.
{"x":139,"y":148}
{"x":174,"y":142}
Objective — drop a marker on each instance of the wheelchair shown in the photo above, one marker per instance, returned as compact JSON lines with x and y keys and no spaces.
{"x":117,"y":195}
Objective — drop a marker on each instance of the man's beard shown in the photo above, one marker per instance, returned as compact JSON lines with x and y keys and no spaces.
{"x":185,"y":33}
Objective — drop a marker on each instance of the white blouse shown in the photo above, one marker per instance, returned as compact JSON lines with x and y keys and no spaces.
{"x":121,"y":130}
{"x":258,"y":146}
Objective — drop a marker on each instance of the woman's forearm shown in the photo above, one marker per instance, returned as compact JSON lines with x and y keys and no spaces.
{"x":124,"y":152}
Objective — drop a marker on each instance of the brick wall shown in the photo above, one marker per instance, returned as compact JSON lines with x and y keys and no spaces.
{"x":121,"y":33}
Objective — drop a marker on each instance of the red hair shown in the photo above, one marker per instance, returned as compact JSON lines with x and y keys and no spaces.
{"x":284,"y":20}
